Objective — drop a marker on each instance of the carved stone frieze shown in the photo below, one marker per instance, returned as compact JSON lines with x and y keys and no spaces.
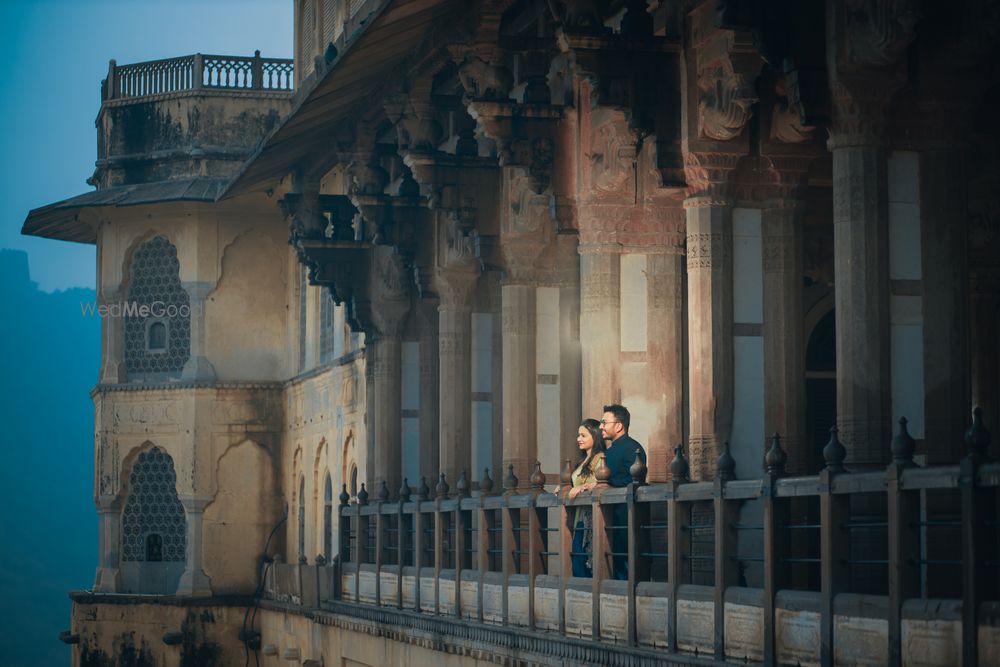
{"x":786,"y":125}
{"x":525,"y":135}
{"x":708,"y":251}
{"x":612,"y":155}
{"x":860,"y":111}
{"x":484,"y":80}
{"x":877,"y":32}
{"x":146,"y":417}
{"x":708,"y":177}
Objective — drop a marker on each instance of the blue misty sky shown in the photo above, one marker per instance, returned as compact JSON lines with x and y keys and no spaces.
{"x":53,"y":55}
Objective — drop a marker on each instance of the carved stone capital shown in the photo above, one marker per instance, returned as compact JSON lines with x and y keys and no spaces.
{"x":456,"y":286}
{"x":389,"y":291}
{"x":860,"y":111}
{"x":708,"y":177}
{"x":708,"y":250}
{"x":525,"y":136}
{"x":874,"y":33}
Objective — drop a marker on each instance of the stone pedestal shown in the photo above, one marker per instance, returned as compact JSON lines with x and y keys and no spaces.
{"x":194,"y":582}
{"x":784,"y":355}
{"x":710,"y":329}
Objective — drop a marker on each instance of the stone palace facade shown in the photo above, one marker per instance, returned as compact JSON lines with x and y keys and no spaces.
{"x":356,"y":305}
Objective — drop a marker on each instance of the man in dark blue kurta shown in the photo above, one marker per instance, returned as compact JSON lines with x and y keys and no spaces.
{"x":621,"y":453}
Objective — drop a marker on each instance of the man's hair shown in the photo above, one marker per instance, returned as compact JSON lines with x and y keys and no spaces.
{"x":621,"y":414}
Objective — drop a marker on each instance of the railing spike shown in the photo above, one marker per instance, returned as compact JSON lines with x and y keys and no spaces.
{"x":725,"y":467}
{"x":679,"y":468}
{"x":834,"y":452}
{"x":903,"y":445}
{"x":537,"y":478}
{"x":462,"y":485}
{"x":774,"y":460}
{"x":977,"y":438}
{"x":510,"y":481}
{"x":442,"y":488}
{"x":486,"y":483}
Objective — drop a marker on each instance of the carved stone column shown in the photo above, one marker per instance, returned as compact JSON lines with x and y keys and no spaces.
{"x":429,"y":389}
{"x":390,"y":304}
{"x":194,"y":582}
{"x":456,"y":287}
{"x":113,"y":348}
{"x":108,"y":579}
{"x":198,"y":367}
{"x":518,"y":313}
{"x":600,"y":324}
{"x":784,"y":353}
{"x":861,"y":266}
{"x":710,"y":308}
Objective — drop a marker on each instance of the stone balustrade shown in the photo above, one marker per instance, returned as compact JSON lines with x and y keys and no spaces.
{"x":882,"y":567}
{"x":185,"y":73}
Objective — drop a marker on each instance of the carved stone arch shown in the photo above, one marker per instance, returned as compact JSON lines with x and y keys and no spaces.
{"x":349,"y":464}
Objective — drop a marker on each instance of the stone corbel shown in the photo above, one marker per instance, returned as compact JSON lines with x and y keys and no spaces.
{"x":708,"y":177}
{"x":876,"y":33}
{"x":727,"y":66}
{"x":613,"y":151}
{"x":365,"y":175}
{"x":525,"y":136}
{"x":786,"y":118}
{"x":388,"y":294}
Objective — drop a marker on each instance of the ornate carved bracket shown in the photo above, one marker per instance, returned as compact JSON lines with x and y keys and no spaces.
{"x":525,"y":135}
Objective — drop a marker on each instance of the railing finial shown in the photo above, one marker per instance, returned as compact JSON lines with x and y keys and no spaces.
{"x":442,"y":488}
{"x":774,"y":460}
{"x":383,"y":492}
{"x":977,"y":438}
{"x":834,"y":452}
{"x":462,"y":485}
{"x":424,"y":492}
{"x":566,"y":476}
{"x":404,"y":491}
{"x":725,"y":467}
{"x":363,"y":495}
{"x":320,"y":560}
{"x":537,"y":478}
{"x":679,"y":468}
{"x":344,"y":497}
{"x":603,"y":473}
{"x":638,"y":471}
{"x":902,"y":446}
{"x":511,"y":481}
{"x":486,"y":483}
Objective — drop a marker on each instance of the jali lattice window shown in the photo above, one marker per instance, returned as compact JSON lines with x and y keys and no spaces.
{"x":155,"y":293}
{"x":153,"y":524}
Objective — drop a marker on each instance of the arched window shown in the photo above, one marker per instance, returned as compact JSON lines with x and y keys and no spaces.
{"x":157,"y":320}
{"x":354,"y":481}
{"x":153,"y":522}
{"x":328,"y":518}
{"x":302,"y":518}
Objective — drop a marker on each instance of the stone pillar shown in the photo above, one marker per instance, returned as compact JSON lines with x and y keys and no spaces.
{"x":667,"y":324}
{"x":784,"y":345}
{"x":519,"y":378}
{"x":429,"y":388}
{"x":384,"y":357}
{"x":113,"y":349}
{"x":944,"y":279}
{"x":600,"y":325}
{"x":710,"y":329}
{"x":456,"y":288}
{"x":198,"y":367}
{"x":861,"y":267}
{"x":194,"y":582}
{"x":108,"y":579}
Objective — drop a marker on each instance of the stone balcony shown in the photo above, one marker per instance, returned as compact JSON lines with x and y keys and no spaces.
{"x":191,"y":116}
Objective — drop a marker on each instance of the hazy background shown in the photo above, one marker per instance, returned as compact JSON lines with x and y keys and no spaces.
{"x":53,"y":55}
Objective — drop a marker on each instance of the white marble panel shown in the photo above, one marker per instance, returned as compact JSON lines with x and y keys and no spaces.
{"x":748,"y":434}
{"x":493,"y":603}
{"x":446,"y":593}
{"x":614,"y":616}
{"x":744,"y":632}
{"x":410,"y":371}
{"x":903,"y":171}
{"x":349,"y":587}
{"x":366,"y":586}
{"x":579,"y":614}
{"x":517,"y":605}
{"x":387,"y":588}
{"x":547,"y":427}
{"x":633,"y":303}
{"x":860,"y":642}
{"x":410,"y":436}
{"x":547,"y":608}
{"x":482,"y":439}
{"x":409,"y":591}
{"x":931,"y":643}
{"x":427,"y":594}
{"x":651,"y":618}
{"x":904,"y":241}
{"x":547,"y":330}
{"x":748,"y":267}
{"x":907,"y":371}
{"x":696,"y":626}
{"x":797,"y":637}
{"x":482,"y":352}
{"x":989,"y":645}
{"x":470,"y":600}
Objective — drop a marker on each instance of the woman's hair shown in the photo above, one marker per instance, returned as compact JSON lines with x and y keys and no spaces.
{"x":594,"y":428}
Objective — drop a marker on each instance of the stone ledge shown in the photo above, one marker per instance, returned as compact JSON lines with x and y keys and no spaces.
{"x":88,"y":597}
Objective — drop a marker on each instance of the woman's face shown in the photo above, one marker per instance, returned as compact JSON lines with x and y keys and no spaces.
{"x":584,"y":440}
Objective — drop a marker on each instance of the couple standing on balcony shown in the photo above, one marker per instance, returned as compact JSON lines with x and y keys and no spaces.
{"x":618,"y":455}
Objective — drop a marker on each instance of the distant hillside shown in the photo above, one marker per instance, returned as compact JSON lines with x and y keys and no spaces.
{"x":48,"y":364}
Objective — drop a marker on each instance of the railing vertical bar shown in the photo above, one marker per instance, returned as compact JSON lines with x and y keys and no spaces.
{"x":438,"y":553}
{"x":970,"y":564}
{"x":566,"y":515}
{"x":634,"y":513}
{"x":903,"y":515}
{"x":774,"y":515}
{"x":482,"y":554}
{"x":599,"y":559}
{"x":678,"y":544}
{"x":379,"y":543}
{"x":418,"y":551}
{"x":507,"y":558}
{"x":459,"y":525}
{"x":834,"y":551}
{"x":725,"y":568}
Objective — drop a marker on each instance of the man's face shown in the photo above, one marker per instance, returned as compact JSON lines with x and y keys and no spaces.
{"x":611,"y":428}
